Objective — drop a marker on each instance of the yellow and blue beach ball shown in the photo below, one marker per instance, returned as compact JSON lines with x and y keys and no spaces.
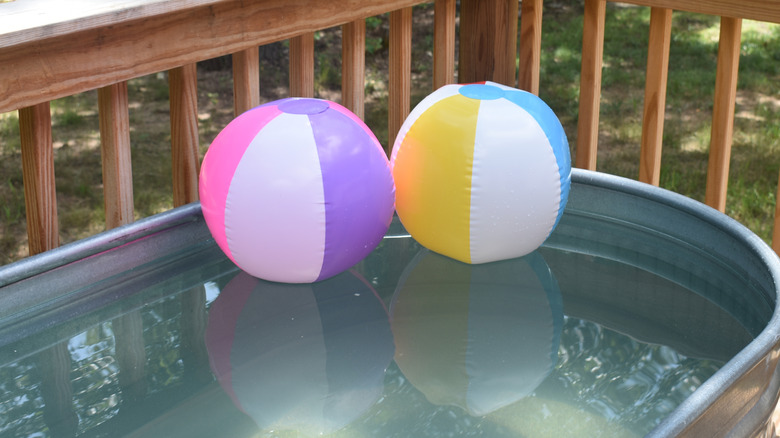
{"x":482,"y":172}
{"x":480,"y":337}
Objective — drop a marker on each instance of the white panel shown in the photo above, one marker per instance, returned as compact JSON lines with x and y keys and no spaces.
{"x":279,"y":372}
{"x":511,"y":335}
{"x":275,"y":212}
{"x":515,"y":184}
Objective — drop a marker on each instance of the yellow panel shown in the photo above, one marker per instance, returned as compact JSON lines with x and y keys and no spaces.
{"x":430,"y":328}
{"x":433,"y":176}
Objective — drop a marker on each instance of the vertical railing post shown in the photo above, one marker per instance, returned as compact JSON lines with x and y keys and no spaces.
{"x":655,"y":95}
{"x":246,"y":80}
{"x":444,"y":12}
{"x":38,"y":177}
{"x":184,"y":133}
{"x":400,"y":74}
{"x":488,"y":41}
{"x":302,"y":65}
{"x":723,"y":112}
{"x":115,"y":151}
{"x":530,"y":51}
{"x":353,"y":66}
{"x":590,"y":83}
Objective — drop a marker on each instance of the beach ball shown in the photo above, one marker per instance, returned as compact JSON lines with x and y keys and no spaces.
{"x":296,"y":190}
{"x":482,"y":172}
{"x":308,"y":358}
{"x":479,"y":337}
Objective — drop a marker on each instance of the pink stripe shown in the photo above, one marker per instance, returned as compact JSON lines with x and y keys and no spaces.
{"x":220,"y":163}
{"x":221,"y":328}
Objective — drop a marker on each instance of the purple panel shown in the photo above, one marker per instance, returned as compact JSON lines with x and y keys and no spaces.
{"x":359,"y":190}
{"x":303,"y":106}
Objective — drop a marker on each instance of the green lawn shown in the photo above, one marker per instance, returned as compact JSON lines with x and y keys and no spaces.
{"x":755,"y":162}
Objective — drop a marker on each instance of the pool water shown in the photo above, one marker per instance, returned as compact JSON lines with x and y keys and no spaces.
{"x":576,"y":339}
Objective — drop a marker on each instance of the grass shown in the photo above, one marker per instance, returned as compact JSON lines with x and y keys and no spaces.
{"x":693,"y":58}
{"x":754,"y":165}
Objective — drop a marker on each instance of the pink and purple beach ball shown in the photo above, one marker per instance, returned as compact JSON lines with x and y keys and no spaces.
{"x":296,"y":190}
{"x":303,"y":358}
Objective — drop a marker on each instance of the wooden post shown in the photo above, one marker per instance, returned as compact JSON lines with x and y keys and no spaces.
{"x":115,"y":150}
{"x":353,"y":66}
{"x":590,"y":83}
{"x":530,"y":51}
{"x":723,"y":112}
{"x":400,"y":80}
{"x":655,"y":95}
{"x":246,"y":80}
{"x":302,"y":65}
{"x":444,"y":12}
{"x":184,"y":133}
{"x":38,"y":177}
{"x":488,"y":41}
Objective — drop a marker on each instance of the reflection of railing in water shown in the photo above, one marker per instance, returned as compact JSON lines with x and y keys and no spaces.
{"x":138,"y":378}
{"x":54,"y":366}
{"x":104,"y":50}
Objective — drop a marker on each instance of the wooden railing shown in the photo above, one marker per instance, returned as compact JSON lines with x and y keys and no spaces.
{"x":47,"y":52}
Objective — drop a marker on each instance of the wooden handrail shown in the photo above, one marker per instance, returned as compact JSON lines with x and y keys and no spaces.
{"x":760,"y":10}
{"x":155,"y":36}
{"x":77,"y":51}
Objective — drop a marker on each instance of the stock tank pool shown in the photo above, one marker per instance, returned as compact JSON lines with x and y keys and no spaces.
{"x":644,"y":313}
